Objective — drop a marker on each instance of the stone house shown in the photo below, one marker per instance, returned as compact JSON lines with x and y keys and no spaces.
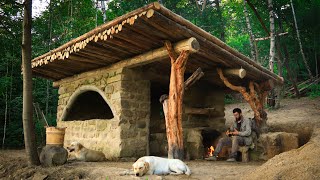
{"x":110,"y":80}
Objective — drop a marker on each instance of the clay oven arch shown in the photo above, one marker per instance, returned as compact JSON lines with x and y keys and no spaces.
{"x":87,"y":102}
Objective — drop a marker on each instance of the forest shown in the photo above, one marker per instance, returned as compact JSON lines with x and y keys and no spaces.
{"x":245,"y":25}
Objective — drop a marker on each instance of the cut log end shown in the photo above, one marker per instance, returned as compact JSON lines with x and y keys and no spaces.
{"x":195,"y":45}
{"x":150,"y":13}
{"x":156,"y":5}
{"x":191,"y":45}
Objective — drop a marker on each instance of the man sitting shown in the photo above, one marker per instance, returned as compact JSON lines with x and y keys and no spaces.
{"x":239,"y":134}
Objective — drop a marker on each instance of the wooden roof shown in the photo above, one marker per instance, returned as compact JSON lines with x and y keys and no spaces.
{"x":138,"y":32}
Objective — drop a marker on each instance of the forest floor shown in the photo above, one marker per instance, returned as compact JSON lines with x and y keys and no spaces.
{"x":295,"y":115}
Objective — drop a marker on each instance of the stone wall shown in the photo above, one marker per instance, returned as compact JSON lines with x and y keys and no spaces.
{"x":127,"y":94}
{"x":135,"y":116}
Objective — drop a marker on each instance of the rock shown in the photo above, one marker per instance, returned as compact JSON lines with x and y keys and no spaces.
{"x":194,"y":147}
{"x":277,"y":142}
{"x":53,"y":155}
{"x":301,"y":163}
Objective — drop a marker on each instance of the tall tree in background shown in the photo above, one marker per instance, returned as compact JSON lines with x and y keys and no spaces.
{"x":252,"y":43}
{"x":272,"y":37}
{"x":300,"y":45}
{"x":27,"y":114}
{"x":6,"y":107}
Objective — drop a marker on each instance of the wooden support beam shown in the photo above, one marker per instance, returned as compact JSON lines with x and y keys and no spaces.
{"x":217,"y":44}
{"x":255,"y":98}
{"x":241,"y":73}
{"x":191,"y":45}
{"x":175,"y":99}
{"x":193,"y":78}
{"x":265,"y":38}
{"x":202,"y":111}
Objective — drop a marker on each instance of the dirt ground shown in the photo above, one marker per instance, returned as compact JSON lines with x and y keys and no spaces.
{"x":295,"y":115}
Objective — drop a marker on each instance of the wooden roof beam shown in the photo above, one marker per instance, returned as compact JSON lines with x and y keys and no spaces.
{"x":190,"y":45}
{"x":241,"y":73}
{"x":217,"y":43}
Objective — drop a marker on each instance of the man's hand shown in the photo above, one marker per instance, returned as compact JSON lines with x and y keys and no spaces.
{"x":227,"y":132}
{"x":235,"y":132}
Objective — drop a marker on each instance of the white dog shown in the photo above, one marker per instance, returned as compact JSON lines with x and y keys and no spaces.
{"x":159,"y":166}
{"x":84,"y":154}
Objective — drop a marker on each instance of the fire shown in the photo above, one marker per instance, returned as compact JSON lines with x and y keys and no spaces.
{"x":210,"y":151}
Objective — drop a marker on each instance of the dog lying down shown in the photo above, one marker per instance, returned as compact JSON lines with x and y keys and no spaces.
{"x":84,"y":154}
{"x":159,"y":166}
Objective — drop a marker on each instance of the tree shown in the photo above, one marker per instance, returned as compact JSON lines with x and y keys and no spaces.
{"x":27,"y":115}
{"x":272,"y":37}
{"x":300,"y":45}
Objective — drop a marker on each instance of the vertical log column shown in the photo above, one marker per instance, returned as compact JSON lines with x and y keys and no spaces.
{"x":255,"y":97}
{"x":175,"y":99}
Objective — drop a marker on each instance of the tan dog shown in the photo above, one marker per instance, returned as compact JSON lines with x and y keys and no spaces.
{"x":159,"y":166}
{"x":84,"y":154}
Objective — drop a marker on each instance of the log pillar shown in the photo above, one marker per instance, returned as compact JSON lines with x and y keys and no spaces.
{"x":175,"y":99}
{"x":255,"y":97}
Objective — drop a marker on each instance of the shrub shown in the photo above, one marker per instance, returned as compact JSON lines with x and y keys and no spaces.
{"x":314,"y":91}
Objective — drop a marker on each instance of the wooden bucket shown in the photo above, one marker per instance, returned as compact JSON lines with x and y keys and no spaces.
{"x":55,"y":136}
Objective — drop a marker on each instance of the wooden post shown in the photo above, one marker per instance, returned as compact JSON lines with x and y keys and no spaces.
{"x":193,"y":78}
{"x":175,"y":99}
{"x":255,"y":97}
{"x":173,"y":115}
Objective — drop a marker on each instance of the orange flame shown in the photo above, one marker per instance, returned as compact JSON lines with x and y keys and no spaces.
{"x":211,"y":150}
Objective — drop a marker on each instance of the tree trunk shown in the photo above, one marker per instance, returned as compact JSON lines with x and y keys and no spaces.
{"x":272,"y":37}
{"x":252,"y":44}
{"x":258,"y":16}
{"x":278,"y":88}
{"x":49,"y":47}
{"x":10,"y":92}
{"x":222,"y":29}
{"x":6,"y":108}
{"x":315,"y":56}
{"x":28,"y":124}
{"x":176,"y":92}
{"x":272,"y":49}
{"x":298,"y":37}
{"x":286,"y":62}
{"x":48,"y":97}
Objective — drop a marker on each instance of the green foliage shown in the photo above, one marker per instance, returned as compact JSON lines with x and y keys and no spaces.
{"x":314,"y":91}
{"x":229,"y":99}
{"x":240,"y":42}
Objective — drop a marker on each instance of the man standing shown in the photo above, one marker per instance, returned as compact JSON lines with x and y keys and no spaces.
{"x":239,"y":134}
